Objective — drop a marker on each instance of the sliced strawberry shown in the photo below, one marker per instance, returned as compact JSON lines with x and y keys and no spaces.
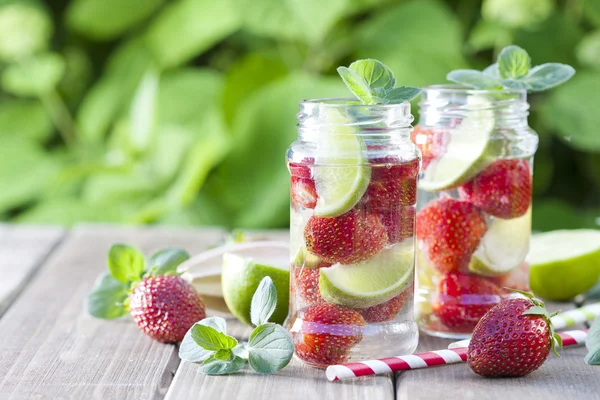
{"x":393,"y":183}
{"x":503,"y":189}
{"x":450,"y":231}
{"x":463,"y":299}
{"x":400,"y":223}
{"x":347,"y":239}
{"x":306,"y":284}
{"x":303,"y":192}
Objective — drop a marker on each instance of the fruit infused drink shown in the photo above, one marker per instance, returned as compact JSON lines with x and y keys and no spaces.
{"x":353,"y":194}
{"x":474,"y":210}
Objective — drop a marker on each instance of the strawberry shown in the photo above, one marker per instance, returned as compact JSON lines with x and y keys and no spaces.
{"x":503,"y":189}
{"x":463,"y":299}
{"x":513,"y":339}
{"x":400,"y":223}
{"x":393,"y":183}
{"x":450,"y":231}
{"x":328,"y":332}
{"x":347,"y":239}
{"x":165,"y":307}
{"x":518,"y":278}
{"x":430,"y":144}
{"x":386,"y":311}
{"x":302,"y":187}
{"x":306,"y":284}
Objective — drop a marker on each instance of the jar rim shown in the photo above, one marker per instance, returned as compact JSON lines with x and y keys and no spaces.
{"x":334,"y":102}
{"x":457,"y":88}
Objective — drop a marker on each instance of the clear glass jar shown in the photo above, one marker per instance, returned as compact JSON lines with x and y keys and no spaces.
{"x":353,"y":188}
{"x":474,"y":204}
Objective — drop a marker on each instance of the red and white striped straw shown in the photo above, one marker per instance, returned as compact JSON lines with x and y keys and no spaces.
{"x":422,"y":360}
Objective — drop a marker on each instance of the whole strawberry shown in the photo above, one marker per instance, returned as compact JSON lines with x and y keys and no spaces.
{"x":347,"y":239}
{"x":513,"y":339}
{"x":503,"y":189}
{"x":393,"y":184}
{"x":450,"y":231}
{"x":328,"y":333}
{"x":386,"y":311}
{"x":164,"y":307}
{"x":399,"y":223}
{"x":306,"y":283}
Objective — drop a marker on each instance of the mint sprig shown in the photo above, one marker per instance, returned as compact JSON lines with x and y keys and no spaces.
{"x":374,"y":83}
{"x":268,"y":350}
{"x":593,"y":344}
{"x":109,"y":298}
{"x":512,"y":70}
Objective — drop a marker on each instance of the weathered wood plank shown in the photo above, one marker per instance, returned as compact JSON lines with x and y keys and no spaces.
{"x":562,"y":378}
{"x":22,"y":250}
{"x":50,"y":348}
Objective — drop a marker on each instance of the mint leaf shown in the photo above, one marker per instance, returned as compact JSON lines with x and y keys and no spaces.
{"x":492,"y":71}
{"x":125,"y":263}
{"x":473,"y":78}
{"x":211,"y":339}
{"x":264,"y":302}
{"x":270,"y":348}
{"x":515,"y":84}
{"x":224,"y":354}
{"x":241,"y":350}
{"x":374,"y":73}
{"x":513,"y":62}
{"x":548,"y":75}
{"x":401,"y":94}
{"x":593,"y":344}
{"x":356,"y":84}
{"x":107,"y":298}
{"x":214,"y":366}
{"x":166,"y":261}
{"x":190,"y":351}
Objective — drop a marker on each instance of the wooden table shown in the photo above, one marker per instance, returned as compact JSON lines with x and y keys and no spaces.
{"x":50,"y":348}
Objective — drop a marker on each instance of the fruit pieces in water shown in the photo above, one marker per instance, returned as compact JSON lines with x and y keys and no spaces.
{"x":165,"y":307}
{"x":450,"y":231}
{"x":393,"y":184}
{"x":347,"y":239}
{"x":502,"y":190}
{"x":463,"y":299}
{"x":518,"y":278}
{"x":306,"y":284}
{"x":429,"y":142}
{"x":328,"y":332}
{"x":386,"y":311}
{"x":399,"y":223}
{"x":495,"y":350}
{"x":302,"y":188}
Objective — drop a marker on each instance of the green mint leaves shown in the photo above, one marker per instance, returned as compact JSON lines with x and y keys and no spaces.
{"x":593,"y":344}
{"x":374,"y":83}
{"x":512,"y":70}
{"x":268,"y":350}
{"x":109,"y":297}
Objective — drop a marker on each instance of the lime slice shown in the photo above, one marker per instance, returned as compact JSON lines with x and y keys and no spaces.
{"x":371,"y":282}
{"x":564,"y":264}
{"x":305,"y":258}
{"x":503,"y":247}
{"x":240,"y":278}
{"x":340,"y":173}
{"x":468,"y":149}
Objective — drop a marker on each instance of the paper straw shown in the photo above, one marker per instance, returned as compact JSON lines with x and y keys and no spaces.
{"x":421,"y":360}
{"x":560,"y":321}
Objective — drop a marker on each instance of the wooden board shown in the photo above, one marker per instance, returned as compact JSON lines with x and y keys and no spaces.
{"x":50,"y":348}
{"x":22,"y":250}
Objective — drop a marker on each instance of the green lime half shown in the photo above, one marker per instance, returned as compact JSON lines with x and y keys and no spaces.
{"x":503,"y":247}
{"x":240,"y":278}
{"x":564,"y":263}
{"x":467,"y":151}
{"x":371,"y":282}
{"x":340,"y":172}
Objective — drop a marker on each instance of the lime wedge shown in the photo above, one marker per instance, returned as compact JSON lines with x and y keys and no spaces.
{"x":371,"y":282}
{"x":340,"y":172}
{"x":564,"y":264}
{"x":240,"y":278}
{"x":467,"y":151}
{"x":503,"y":247}
{"x":305,"y":258}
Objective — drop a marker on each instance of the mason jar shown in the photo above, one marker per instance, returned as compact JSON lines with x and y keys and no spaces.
{"x":353,"y":173}
{"x":474,"y":204}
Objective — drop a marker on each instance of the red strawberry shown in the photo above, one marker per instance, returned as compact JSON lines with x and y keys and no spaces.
{"x":386,"y":311}
{"x":463,"y":299}
{"x":509,"y":342}
{"x":347,"y":239}
{"x":518,"y":278}
{"x":450,"y":231}
{"x":430,"y":144}
{"x":303,"y":192}
{"x":400,"y":223}
{"x":165,"y":307}
{"x":503,"y":189}
{"x":328,"y":333}
{"x":393,"y":183}
{"x":306,"y":283}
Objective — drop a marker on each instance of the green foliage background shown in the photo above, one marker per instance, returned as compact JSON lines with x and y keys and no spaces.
{"x":179,"y":112}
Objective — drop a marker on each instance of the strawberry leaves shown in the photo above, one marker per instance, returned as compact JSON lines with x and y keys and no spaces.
{"x":269,"y":349}
{"x":373,"y":83}
{"x":593,"y":344}
{"x":512,"y":70}
{"x":166,"y":261}
{"x":125,"y":263}
{"x":108,"y":297}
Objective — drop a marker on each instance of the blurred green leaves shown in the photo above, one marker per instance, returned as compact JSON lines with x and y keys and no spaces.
{"x":24,"y":30}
